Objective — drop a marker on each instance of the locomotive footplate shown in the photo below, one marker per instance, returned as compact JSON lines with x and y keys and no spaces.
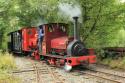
{"x":73,"y":61}
{"x":55,"y":56}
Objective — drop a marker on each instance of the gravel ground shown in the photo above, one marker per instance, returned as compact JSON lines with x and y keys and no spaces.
{"x":108,"y":70}
{"x":50,"y":75}
{"x":30,"y":77}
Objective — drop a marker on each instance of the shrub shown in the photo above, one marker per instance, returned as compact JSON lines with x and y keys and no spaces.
{"x":6,"y":61}
{"x":7,"y":64}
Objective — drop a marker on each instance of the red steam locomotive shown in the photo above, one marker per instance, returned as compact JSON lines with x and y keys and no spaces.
{"x":50,"y":42}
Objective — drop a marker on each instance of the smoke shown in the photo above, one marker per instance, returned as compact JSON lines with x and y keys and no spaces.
{"x":70,"y":10}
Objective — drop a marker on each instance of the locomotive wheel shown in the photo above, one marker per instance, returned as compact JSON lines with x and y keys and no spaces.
{"x":47,"y":62}
{"x":67,"y":67}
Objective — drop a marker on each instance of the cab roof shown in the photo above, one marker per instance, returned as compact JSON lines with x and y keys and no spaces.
{"x":54,"y":24}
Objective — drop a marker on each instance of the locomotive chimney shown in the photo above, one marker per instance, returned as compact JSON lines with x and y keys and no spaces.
{"x":76,"y":34}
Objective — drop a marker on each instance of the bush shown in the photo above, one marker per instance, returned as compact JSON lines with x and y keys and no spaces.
{"x":114,"y":63}
{"x":7,"y":64}
{"x":6,"y":61}
{"x":100,"y":54}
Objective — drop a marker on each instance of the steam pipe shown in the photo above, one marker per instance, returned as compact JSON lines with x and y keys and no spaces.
{"x":76,"y":35}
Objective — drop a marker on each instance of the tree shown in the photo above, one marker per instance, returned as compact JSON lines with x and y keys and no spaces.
{"x":15,"y":14}
{"x":102,"y":20}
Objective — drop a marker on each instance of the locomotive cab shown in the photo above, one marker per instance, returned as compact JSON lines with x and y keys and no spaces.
{"x":55,"y":38}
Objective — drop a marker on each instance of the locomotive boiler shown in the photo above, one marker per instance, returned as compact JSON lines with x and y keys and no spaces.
{"x":54,"y":46}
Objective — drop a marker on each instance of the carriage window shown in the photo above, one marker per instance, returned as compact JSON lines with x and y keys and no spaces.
{"x":17,"y":34}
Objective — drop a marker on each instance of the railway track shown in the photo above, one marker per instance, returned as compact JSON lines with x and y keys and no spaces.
{"x":41,"y":69}
{"x":57,"y":78}
{"x":102,"y":75}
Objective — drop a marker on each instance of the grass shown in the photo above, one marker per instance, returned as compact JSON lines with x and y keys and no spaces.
{"x":6,"y":65}
{"x":6,"y":61}
{"x":114,"y":63}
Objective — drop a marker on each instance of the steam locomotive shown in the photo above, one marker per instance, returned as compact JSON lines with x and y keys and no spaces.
{"x":54,"y":46}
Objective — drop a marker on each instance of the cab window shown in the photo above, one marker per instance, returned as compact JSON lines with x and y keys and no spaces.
{"x":50,"y":29}
{"x":63,"y":28}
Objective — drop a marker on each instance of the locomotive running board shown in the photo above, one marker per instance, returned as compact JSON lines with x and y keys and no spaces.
{"x":55,"y":56}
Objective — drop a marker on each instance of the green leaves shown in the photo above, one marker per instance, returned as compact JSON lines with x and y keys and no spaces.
{"x":101,"y":21}
{"x":15,"y":14}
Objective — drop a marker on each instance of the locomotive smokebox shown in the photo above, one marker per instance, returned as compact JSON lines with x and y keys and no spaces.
{"x":76,"y":34}
{"x":76,"y":47}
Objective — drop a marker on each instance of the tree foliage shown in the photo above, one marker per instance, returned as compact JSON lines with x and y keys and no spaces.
{"x":15,"y":14}
{"x":102,"y":20}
